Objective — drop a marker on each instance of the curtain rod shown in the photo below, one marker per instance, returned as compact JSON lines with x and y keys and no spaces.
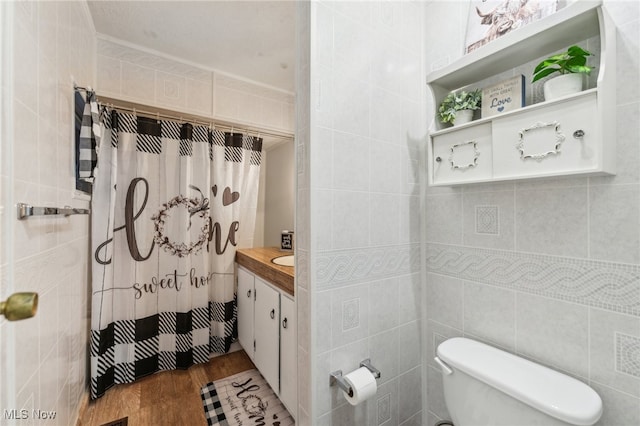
{"x":159,"y":113}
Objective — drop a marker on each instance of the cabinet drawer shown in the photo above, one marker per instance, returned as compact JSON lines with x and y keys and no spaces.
{"x":463,"y":155}
{"x":560,"y":138}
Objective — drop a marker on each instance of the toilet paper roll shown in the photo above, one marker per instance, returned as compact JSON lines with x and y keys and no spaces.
{"x":363,"y":384}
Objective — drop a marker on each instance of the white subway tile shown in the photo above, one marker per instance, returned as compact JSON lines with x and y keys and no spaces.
{"x":138,"y":83}
{"x":384,"y":305}
{"x":350,"y":161}
{"x":409,"y":394}
{"x":25,"y":144}
{"x":170,"y":90}
{"x":200,"y":96}
{"x":109,"y":75}
{"x":614,"y":214}
{"x":553,"y":332}
{"x":445,"y":299}
{"x":490,"y":312}
{"x":563,"y":210}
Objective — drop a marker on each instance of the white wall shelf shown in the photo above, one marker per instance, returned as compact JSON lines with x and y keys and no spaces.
{"x":526,"y":109}
{"x":495,"y":139}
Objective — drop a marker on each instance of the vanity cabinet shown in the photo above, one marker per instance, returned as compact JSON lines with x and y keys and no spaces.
{"x":267,"y":332}
{"x":288,"y":359}
{"x":572,"y":135}
{"x":246,"y":319}
{"x":266,"y":335}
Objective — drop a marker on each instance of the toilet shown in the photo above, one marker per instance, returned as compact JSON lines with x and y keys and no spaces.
{"x":485,"y":386}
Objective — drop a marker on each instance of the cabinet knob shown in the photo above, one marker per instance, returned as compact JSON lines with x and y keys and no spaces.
{"x":249,"y":293}
{"x":284,"y":323}
{"x":578,"y":134}
{"x":438,"y":159}
{"x":273,"y":314}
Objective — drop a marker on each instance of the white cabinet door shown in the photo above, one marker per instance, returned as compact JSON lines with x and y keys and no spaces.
{"x":463,"y":155}
{"x":245,"y":311}
{"x":560,"y":138}
{"x":288,"y":358}
{"x":266,"y":331}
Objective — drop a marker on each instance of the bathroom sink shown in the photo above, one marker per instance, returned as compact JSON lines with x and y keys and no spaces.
{"x":284,"y":260}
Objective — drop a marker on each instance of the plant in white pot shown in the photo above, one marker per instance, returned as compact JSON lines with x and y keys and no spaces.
{"x":457,"y":108}
{"x":572,"y":66}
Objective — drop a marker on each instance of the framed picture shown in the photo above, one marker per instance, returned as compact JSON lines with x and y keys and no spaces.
{"x":502,"y":97}
{"x":490,"y":19}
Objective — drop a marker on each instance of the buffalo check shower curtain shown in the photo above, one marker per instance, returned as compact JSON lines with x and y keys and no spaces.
{"x":171,"y":202}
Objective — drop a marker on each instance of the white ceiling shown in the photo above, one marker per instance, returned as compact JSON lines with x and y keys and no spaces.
{"x":251,"y":39}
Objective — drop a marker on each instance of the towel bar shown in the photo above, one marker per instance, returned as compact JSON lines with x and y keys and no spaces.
{"x":25,"y":210}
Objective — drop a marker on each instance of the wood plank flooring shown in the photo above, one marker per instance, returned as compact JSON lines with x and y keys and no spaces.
{"x":164,"y":399}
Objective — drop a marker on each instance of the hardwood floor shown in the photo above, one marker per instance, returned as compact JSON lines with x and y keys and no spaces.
{"x":167,"y":398}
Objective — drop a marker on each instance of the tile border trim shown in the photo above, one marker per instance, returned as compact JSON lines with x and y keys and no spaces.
{"x":338,"y":267}
{"x":605,"y":285}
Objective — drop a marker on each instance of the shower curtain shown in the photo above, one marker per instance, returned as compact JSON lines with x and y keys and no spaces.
{"x":170,"y":204}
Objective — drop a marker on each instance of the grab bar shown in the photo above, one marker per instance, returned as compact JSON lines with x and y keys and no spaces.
{"x":25,"y":210}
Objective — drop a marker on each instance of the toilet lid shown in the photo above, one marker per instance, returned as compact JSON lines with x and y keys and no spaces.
{"x":547,"y":390}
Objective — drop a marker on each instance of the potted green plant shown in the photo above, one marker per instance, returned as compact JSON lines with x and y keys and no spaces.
{"x":572,"y":66}
{"x":457,"y":107}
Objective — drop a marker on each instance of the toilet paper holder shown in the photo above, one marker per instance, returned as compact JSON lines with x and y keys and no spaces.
{"x":336,"y":376}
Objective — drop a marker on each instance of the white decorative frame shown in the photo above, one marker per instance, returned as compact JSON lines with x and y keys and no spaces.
{"x":559,"y":139}
{"x":475,"y":156}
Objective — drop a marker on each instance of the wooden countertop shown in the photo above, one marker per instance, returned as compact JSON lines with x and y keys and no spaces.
{"x":258,"y":261}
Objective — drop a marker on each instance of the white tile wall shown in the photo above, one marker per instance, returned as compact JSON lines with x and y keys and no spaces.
{"x":135,"y":74}
{"x":490,"y":313}
{"x":566,"y":256}
{"x":542,"y":229}
{"x":541,"y":321}
{"x":307,"y":379}
{"x":47,"y":43}
{"x":614,"y":233}
{"x":362,"y":157}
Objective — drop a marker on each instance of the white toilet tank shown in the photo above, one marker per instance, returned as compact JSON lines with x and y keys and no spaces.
{"x":484,"y":386}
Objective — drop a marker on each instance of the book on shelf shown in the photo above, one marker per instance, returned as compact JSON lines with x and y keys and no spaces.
{"x":508,"y":95}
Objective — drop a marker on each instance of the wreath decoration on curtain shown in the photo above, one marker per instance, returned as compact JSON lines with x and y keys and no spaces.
{"x":194,"y":206}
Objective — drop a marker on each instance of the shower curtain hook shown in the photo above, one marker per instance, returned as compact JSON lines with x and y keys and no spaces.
{"x":157,"y":116}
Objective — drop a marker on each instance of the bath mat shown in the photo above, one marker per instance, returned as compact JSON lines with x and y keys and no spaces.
{"x":243,"y":399}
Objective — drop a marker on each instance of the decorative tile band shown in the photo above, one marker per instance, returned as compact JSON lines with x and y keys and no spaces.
{"x":628,"y":354}
{"x":605,"y":285}
{"x":337,"y":267}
